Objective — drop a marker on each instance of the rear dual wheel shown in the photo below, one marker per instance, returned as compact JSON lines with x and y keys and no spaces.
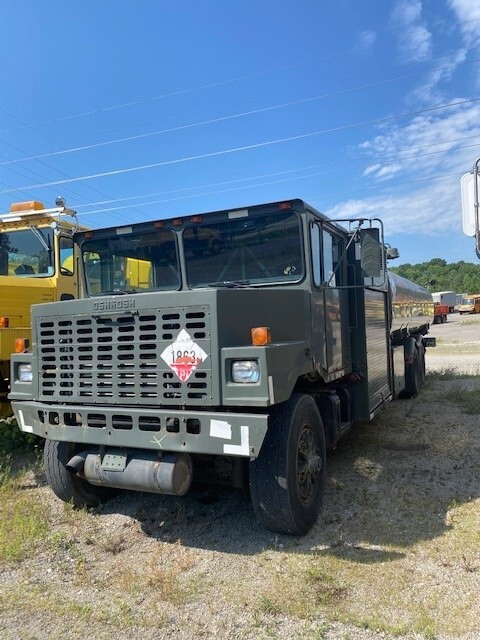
{"x":287,"y":479}
{"x":415,"y":372}
{"x":421,"y":364}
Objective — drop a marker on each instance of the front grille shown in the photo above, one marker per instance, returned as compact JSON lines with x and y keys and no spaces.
{"x":126,"y":358}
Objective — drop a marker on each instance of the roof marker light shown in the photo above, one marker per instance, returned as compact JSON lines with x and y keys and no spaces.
{"x":30,"y":205}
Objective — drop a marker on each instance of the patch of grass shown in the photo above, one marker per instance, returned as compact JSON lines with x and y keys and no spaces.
{"x":168,"y":586}
{"x":382,"y":591}
{"x":268,"y":605}
{"x":12,"y":440}
{"x":325,"y":587}
{"x":24,"y":519}
{"x":469,"y":321}
{"x":164,"y":576}
{"x":113,"y":544}
{"x":468,"y":399}
{"x":48,"y":601}
{"x":448,"y":374}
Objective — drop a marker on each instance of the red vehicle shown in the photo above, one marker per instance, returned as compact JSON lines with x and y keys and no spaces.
{"x":440,"y":313}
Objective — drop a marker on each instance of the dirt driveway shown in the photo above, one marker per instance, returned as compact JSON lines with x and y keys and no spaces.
{"x":458,"y":345}
{"x":395,"y":554}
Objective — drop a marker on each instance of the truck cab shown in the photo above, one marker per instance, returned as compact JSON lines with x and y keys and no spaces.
{"x":37,"y":265}
{"x":233,"y":346}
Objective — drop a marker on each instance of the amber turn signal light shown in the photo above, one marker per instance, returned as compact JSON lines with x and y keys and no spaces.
{"x":21,"y":345}
{"x":261,"y":336}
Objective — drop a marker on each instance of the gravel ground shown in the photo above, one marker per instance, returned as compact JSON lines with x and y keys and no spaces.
{"x":458,"y":342}
{"x":394,"y":554}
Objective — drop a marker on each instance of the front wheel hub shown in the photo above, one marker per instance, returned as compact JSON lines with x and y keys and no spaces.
{"x":309,"y":463}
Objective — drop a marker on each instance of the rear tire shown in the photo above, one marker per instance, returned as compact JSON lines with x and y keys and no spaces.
{"x":412,"y":377}
{"x":64,"y":483}
{"x":421,"y":365}
{"x":287,"y":479}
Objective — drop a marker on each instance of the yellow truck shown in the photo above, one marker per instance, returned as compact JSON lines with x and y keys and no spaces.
{"x":37,"y":264}
{"x":470,"y":304}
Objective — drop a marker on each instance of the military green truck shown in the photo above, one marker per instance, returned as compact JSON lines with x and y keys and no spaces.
{"x":237,"y":361}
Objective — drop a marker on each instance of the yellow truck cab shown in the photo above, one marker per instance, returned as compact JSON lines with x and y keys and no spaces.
{"x":470,"y":304}
{"x":37,"y":264}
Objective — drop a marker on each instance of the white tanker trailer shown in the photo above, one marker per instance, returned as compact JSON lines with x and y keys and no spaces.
{"x":412,"y":306}
{"x":412,"y":313}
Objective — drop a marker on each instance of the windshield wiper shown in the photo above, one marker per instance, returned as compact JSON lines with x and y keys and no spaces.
{"x":230,"y":284}
{"x":118,"y":292}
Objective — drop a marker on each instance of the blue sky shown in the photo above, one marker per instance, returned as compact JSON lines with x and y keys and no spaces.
{"x":145,"y":110}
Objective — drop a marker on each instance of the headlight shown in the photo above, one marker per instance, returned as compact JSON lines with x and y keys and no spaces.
{"x":246,"y":371}
{"x":24,"y":373}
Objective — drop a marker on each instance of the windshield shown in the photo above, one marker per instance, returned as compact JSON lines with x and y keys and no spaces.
{"x":143,"y":261}
{"x":232,"y":253}
{"x":244,"y":251}
{"x":26,"y":252}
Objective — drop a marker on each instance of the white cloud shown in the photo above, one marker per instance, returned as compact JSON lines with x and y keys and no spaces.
{"x":373,"y":168}
{"x":429,"y":91}
{"x":426,"y":145}
{"x":414,"y":40}
{"x":428,"y":156}
{"x":387,"y":171}
{"x":468,"y":14}
{"x":432,"y":210}
{"x":367,"y":39}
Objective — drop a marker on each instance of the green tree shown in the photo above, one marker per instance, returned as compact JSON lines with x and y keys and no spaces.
{"x":461,"y":277}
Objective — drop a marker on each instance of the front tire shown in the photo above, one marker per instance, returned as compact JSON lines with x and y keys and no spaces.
{"x":287,"y":479}
{"x":64,"y":483}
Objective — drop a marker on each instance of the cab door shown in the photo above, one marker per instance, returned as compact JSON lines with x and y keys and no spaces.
{"x":330,"y":314}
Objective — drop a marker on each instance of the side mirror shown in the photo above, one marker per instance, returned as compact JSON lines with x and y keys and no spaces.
{"x":370,"y":252}
{"x":392,"y":253}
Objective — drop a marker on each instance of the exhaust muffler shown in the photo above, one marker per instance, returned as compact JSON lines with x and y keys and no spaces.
{"x":166,"y":473}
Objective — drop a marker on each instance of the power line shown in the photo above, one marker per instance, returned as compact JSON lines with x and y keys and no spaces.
{"x":231,"y":116}
{"x":223,"y":83}
{"x":43,"y":162}
{"x":170,"y":94}
{"x":310,"y":198}
{"x":30,"y":171}
{"x":258,"y":177}
{"x":244,"y":147}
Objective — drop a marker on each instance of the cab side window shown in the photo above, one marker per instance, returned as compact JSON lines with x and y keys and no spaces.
{"x":332,"y":255}
{"x":329,"y":275}
{"x":67,"y":261}
{"x":315,"y":246}
{"x":326,"y":254}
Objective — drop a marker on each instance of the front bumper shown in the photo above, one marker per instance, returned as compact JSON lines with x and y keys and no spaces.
{"x":204,"y":432}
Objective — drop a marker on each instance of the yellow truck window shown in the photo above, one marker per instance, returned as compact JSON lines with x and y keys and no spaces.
{"x":67,"y":263}
{"x":27,"y":252}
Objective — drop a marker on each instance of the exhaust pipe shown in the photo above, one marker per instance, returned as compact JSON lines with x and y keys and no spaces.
{"x":169,"y":474}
